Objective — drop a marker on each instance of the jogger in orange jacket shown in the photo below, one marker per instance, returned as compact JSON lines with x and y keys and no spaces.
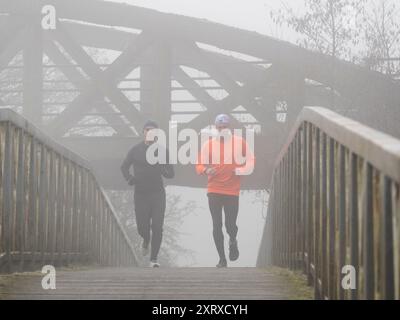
{"x":218,"y":160}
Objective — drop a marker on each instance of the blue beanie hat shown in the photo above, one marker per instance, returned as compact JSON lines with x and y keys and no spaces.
{"x":222,"y":119}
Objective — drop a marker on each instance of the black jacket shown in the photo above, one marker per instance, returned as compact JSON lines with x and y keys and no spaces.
{"x":146,"y":177}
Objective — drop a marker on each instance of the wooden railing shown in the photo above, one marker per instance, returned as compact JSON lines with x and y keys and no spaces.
{"x":334,"y":208}
{"x":52,"y":209}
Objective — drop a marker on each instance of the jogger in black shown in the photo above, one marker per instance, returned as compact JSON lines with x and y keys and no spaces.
{"x":149,"y":195}
{"x":230,"y":205}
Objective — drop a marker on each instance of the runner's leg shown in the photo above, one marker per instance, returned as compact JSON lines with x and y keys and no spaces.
{"x":142,"y":213}
{"x":157,"y":223}
{"x":231,"y":209}
{"x":215,"y":204}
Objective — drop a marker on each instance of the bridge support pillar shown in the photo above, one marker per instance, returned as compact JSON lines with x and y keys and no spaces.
{"x":33,"y":70}
{"x":156,"y":86}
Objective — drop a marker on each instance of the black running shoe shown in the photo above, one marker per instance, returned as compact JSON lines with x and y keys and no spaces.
{"x":222,"y":263}
{"x":233,"y":250}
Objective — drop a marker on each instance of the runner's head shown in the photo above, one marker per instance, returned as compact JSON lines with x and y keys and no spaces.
{"x":149,"y":125}
{"x":222,"y":121}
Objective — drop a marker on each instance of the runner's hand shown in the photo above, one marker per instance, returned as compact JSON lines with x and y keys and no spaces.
{"x":131,"y":181}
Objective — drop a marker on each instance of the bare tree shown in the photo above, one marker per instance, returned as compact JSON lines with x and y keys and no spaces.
{"x":331,"y":27}
{"x":327,"y":26}
{"x":382,"y":36}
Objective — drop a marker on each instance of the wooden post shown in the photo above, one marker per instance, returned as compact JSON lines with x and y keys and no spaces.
{"x":95,"y":218}
{"x":7,"y":195}
{"x":92,"y":222}
{"x":43,"y":189}
{"x":387,"y":243}
{"x":20,"y":206}
{"x":105,"y":241}
{"x":354,"y":221}
{"x":83,"y":202}
{"x":292,"y":237}
{"x":332,"y":219}
{"x":368,"y":245}
{"x":32,"y":210}
{"x":310,"y":203}
{"x":317,"y":214}
{"x":60,"y":210}
{"x":342,"y":217}
{"x":75,"y":214}
{"x":67,"y":217}
{"x":52,"y":231}
{"x":324,"y":212}
{"x":304,"y":196}
{"x":99,"y":231}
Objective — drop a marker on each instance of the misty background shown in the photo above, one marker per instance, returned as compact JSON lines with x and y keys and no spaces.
{"x":195,"y":232}
{"x":188,"y":227}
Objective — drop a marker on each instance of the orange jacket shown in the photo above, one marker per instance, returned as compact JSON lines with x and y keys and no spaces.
{"x":228,"y":170}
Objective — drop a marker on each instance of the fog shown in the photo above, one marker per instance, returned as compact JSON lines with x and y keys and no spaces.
{"x":197,"y":229}
{"x":107,"y":120}
{"x":253,"y":15}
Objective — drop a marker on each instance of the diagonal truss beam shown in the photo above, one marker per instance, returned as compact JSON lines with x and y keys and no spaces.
{"x":252,"y":74}
{"x":238,"y":95}
{"x":11,"y":45}
{"x":12,"y":40}
{"x":107,"y":38}
{"x":104,"y":80}
{"x":317,"y":66}
{"x":214,"y":107}
{"x":78,"y":80}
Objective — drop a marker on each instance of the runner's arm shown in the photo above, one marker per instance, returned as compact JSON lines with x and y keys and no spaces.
{"x":168,"y":169}
{"x":125,"y":168}
{"x":201,"y":167}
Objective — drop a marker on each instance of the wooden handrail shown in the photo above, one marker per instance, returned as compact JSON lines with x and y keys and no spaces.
{"x":52,"y":208}
{"x":381,"y":150}
{"x":334,"y":208}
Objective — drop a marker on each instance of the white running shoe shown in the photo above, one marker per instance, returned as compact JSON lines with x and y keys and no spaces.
{"x":154,"y":264}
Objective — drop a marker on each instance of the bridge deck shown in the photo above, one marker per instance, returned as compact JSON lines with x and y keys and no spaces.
{"x":146,"y":283}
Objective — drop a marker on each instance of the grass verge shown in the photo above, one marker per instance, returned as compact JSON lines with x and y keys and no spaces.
{"x":299,"y":290}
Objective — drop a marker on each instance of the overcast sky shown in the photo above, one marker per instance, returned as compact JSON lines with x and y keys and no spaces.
{"x":245,"y":14}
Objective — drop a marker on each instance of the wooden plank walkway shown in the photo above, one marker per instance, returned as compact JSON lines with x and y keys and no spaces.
{"x":158,"y":284}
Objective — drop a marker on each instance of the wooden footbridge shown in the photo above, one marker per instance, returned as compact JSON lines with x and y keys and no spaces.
{"x":69,"y":115}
